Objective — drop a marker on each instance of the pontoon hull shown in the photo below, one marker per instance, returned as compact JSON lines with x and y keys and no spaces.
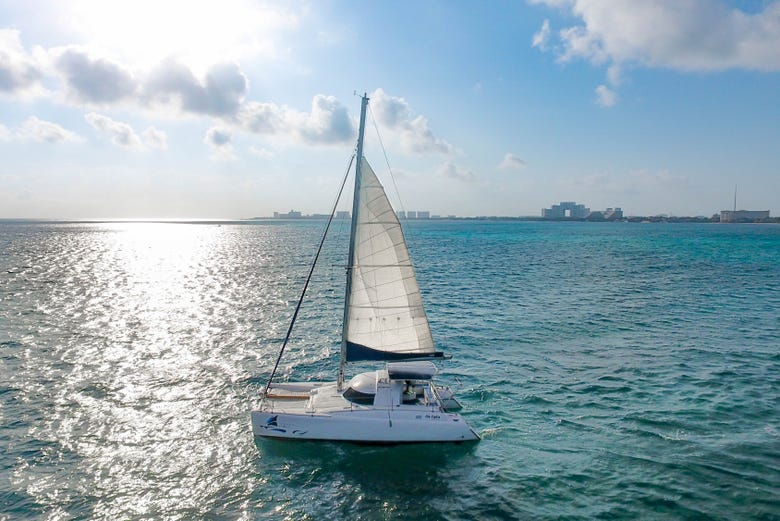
{"x":365,"y":426}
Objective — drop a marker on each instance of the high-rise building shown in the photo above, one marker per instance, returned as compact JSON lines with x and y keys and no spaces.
{"x":729,"y":216}
{"x":292,"y":214}
{"x":566,"y":209}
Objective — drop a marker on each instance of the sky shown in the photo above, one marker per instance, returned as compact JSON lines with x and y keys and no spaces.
{"x":237,"y":108}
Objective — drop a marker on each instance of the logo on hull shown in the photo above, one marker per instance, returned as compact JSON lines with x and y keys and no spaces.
{"x":272,"y":425}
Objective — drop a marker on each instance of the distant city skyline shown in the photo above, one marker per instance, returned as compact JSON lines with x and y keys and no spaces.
{"x":562,"y":210}
{"x":225,"y":110}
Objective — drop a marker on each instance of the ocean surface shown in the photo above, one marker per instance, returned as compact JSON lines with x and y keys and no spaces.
{"x":615,"y":371}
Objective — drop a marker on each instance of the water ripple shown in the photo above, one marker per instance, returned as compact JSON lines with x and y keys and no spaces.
{"x":614,"y":372}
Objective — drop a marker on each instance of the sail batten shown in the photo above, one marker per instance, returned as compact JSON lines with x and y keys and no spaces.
{"x":386,"y":317}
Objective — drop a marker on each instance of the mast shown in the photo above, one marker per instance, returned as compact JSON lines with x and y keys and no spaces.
{"x":350,"y":260}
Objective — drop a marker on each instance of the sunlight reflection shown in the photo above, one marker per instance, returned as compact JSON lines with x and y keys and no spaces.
{"x":147,"y":302}
{"x":146,"y":342}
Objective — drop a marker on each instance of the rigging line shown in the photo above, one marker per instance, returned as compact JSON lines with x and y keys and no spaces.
{"x":384,"y":152}
{"x":308,"y":278}
{"x":392,"y":177}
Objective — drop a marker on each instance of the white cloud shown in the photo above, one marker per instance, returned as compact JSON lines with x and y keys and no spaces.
{"x":93,"y":79}
{"x":418,"y":138}
{"x":220,"y":142}
{"x":614,"y":73}
{"x":390,"y":111}
{"x":120,"y":133}
{"x":414,"y":133}
{"x":327,"y":123}
{"x":154,"y":138}
{"x":605,"y":96}
{"x":450,"y":170}
{"x":702,"y":35}
{"x":218,"y":137}
{"x":40,"y":131}
{"x":542,"y":36}
{"x":511,"y":162}
{"x":172,"y":88}
{"x":18,"y":69}
{"x":37,"y":130}
{"x":262,"y":118}
{"x":220,"y":93}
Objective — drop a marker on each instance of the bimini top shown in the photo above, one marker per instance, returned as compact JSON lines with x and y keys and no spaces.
{"x":419,"y":370}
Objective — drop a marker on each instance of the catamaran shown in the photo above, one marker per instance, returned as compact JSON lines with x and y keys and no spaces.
{"x":384,"y":321}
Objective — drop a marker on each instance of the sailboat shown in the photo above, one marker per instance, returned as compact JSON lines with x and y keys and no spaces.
{"x":384,"y":321}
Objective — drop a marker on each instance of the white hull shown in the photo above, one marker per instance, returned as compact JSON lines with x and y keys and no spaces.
{"x":320,"y":411}
{"x":365,"y":426}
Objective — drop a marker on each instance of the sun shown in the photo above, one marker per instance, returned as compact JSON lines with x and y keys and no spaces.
{"x":145,"y":32}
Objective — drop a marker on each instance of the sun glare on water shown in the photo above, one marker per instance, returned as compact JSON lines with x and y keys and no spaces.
{"x":146,"y":313}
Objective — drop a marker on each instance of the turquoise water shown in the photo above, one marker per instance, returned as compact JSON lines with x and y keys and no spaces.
{"x":615,"y":371}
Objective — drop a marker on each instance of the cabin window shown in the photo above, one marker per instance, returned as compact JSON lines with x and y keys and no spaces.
{"x":361,"y":389}
{"x":357,"y":397}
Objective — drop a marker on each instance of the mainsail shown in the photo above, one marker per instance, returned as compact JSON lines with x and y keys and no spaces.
{"x":385,"y":319}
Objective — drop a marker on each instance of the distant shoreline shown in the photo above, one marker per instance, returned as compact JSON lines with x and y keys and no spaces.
{"x":631,"y":219}
{"x":248,"y":220}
